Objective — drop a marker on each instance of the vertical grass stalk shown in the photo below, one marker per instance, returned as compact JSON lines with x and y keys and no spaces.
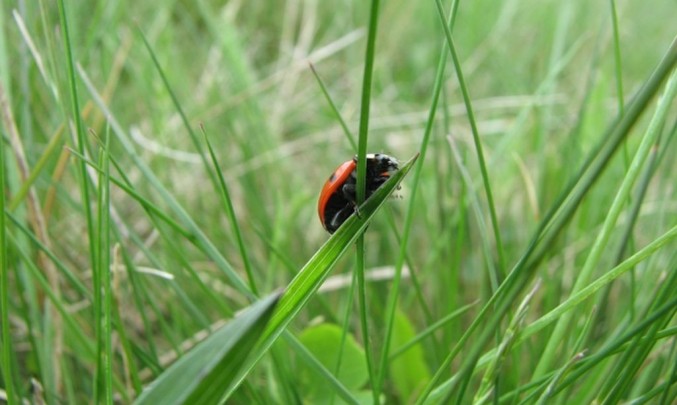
{"x":476,"y":138}
{"x":230,"y":211}
{"x":104,"y":271}
{"x":80,"y":140}
{"x":80,"y":132}
{"x":617,"y":57}
{"x":6,"y":340}
{"x":391,"y":305}
{"x":361,"y":186}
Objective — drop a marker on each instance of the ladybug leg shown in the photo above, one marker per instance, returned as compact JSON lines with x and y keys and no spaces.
{"x":349,"y":191}
{"x":340,"y":217}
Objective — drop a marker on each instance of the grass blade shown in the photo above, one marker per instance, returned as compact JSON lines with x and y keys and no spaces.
{"x":79,"y":129}
{"x":391,"y":305}
{"x":333,"y":107}
{"x":203,"y":375}
{"x":475,"y":135}
{"x":7,"y":358}
{"x":179,"y":109}
{"x":230,"y":211}
{"x":361,"y":170}
{"x":102,"y":281}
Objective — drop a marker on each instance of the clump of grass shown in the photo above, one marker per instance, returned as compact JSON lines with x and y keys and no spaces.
{"x":160,"y":174}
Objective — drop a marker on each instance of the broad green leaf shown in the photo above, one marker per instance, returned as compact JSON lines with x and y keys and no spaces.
{"x":322,"y":341}
{"x":204,"y":374}
{"x":408,"y":371}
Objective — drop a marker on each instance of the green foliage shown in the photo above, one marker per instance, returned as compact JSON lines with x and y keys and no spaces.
{"x":324,"y":341}
{"x":160,"y":164}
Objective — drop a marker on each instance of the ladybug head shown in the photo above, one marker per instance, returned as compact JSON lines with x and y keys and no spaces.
{"x":380,"y":165}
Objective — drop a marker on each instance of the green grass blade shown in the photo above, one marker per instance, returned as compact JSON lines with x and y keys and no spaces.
{"x":81,"y":146}
{"x":230,"y":211}
{"x":573,"y":301}
{"x":75,"y":282}
{"x":79,"y":129}
{"x":561,"y":373}
{"x":50,"y":151}
{"x":613,"y":347}
{"x":153,"y":212}
{"x":488,"y":385}
{"x":333,"y":107}
{"x":618,"y":380}
{"x":203,"y":375}
{"x":476,"y":137}
{"x":103,"y":316}
{"x":147,"y":205}
{"x":179,"y":109}
{"x":76,"y":329}
{"x":100,"y":372}
{"x":365,"y":104}
{"x":474,"y":202}
{"x":361,"y":170}
{"x":391,"y":303}
{"x":585,"y":364}
{"x":653,"y":163}
{"x":618,"y":61}
{"x":430,"y":330}
{"x":7,"y":346}
{"x":673,"y":377}
{"x":345,"y":326}
{"x":364,"y":316}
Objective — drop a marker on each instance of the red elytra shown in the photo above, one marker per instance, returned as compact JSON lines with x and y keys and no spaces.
{"x":332,"y":185}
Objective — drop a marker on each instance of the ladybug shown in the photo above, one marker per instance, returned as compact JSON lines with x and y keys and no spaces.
{"x":338,"y":199}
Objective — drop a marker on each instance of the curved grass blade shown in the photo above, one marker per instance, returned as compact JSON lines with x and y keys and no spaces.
{"x":230,"y":211}
{"x":203,"y":374}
